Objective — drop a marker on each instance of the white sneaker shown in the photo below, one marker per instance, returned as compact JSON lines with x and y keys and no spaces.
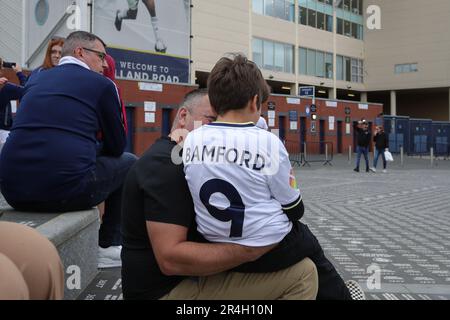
{"x":384,"y":171}
{"x":373,"y":169}
{"x":109,"y":257}
{"x":355,"y":290}
{"x":160,"y":46}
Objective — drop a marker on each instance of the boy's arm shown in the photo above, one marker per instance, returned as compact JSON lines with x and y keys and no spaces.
{"x":283,"y":187}
{"x":177,"y":256}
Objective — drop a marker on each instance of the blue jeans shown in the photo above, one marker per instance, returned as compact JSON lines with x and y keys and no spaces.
{"x":364,"y":151}
{"x":103,"y":183}
{"x":379,"y":152}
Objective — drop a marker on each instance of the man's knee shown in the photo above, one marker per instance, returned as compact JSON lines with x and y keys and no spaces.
{"x":128,"y":158}
{"x":309,"y":277}
{"x":308,"y":266}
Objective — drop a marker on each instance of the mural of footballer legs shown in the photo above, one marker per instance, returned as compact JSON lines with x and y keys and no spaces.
{"x":131,"y":13}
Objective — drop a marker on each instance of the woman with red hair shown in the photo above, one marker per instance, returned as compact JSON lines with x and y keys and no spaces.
{"x":52,"y":57}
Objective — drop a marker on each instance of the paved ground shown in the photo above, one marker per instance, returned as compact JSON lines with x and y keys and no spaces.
{"x":392,"y":226}
{"x":397,"y":223}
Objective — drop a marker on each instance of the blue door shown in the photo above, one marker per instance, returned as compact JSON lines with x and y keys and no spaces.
{"x":165,"y":129}
{"x":303,"y":130}
{"x":339,"y":137}
{"x":322,"y":136}
{"x":282,"y":128}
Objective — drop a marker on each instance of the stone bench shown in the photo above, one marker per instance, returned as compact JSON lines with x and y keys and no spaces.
{"x":74,"y":234}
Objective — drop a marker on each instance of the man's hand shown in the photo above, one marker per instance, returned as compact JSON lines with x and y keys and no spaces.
{"x":17,"y":68}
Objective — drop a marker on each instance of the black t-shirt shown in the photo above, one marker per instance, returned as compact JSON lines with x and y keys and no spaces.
{"x":155,"y":190}
{"x":363,"y":137}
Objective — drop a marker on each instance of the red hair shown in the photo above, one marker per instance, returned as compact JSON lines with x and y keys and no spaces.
{"x":48,"y":55}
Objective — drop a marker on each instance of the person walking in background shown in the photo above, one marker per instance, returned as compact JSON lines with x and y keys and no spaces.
{"x":363,"y":136}
{"x":381,"y":145}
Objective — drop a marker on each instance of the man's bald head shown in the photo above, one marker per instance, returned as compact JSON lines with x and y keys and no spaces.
{"x":194,"y":108}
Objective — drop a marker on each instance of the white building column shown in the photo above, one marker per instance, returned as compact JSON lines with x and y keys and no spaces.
{"x":448,"y":104}
{"x":364,"y":97}
{"x":393,"y":103}
{"x":331,"y":95}
{"x":294,"y":89}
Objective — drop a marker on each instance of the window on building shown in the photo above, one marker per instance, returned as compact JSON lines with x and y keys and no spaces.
{"x":258,"y":6}
{"x":303,"y":16}
{"x":315,"y":63}
{"x":329,"y":23}
{"x":290,"y":10}
{"x":311,"y":63}
{"x":329,"y":66}
{"x":320,"y":64}
{"x":279,"y":9}
{"x":289,"y":55}
{"x":279,"y":57}
{"x":283,"y":9}
{"x":339,"y":68}
{"x":268,"y":55}
{"x":272,"y":55}
{"x":361,"y":71}
{"x":406,"y":68}
{"x":355,"y":7}
{"x":320,"y":21}
{"x":360,"y":7}
{"x":360,"y":31}
{"x":354,"y":70}
{"x":354,"y":30}
{"x":257,"y":45}
{"x":347,"y":69}
{"x":340,"y":26}
{"x":347,"y":5}
{"x":311,"y":18}
{"x":347,"y":28}
{"x":268,"y":8}
{"x":302,"y":64}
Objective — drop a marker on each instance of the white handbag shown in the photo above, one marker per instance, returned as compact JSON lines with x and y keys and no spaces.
{"x":388,"y":156}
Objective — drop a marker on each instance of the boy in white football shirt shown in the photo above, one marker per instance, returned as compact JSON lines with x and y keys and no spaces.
{"x":240,"y":175}
{"x":242,"y":183}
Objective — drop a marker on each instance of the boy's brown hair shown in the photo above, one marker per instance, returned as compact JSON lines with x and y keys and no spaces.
{"x":233,"y":82}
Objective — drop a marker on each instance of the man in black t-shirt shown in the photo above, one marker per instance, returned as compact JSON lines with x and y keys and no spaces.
{"x":363,"y":140}
{"x":159,"y":230}
{"x":158,"y":227}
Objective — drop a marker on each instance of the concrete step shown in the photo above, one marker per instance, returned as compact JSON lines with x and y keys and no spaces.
{"x":75,"y":235}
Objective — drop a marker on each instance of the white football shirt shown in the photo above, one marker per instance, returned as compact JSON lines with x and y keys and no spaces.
{"x":240,"y":177}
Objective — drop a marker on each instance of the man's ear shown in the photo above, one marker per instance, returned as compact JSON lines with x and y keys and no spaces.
{"x":182,"y":114}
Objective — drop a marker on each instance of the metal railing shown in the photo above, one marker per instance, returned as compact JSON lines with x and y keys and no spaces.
{"x":294,"y":150}
{"x":321,"y":151}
